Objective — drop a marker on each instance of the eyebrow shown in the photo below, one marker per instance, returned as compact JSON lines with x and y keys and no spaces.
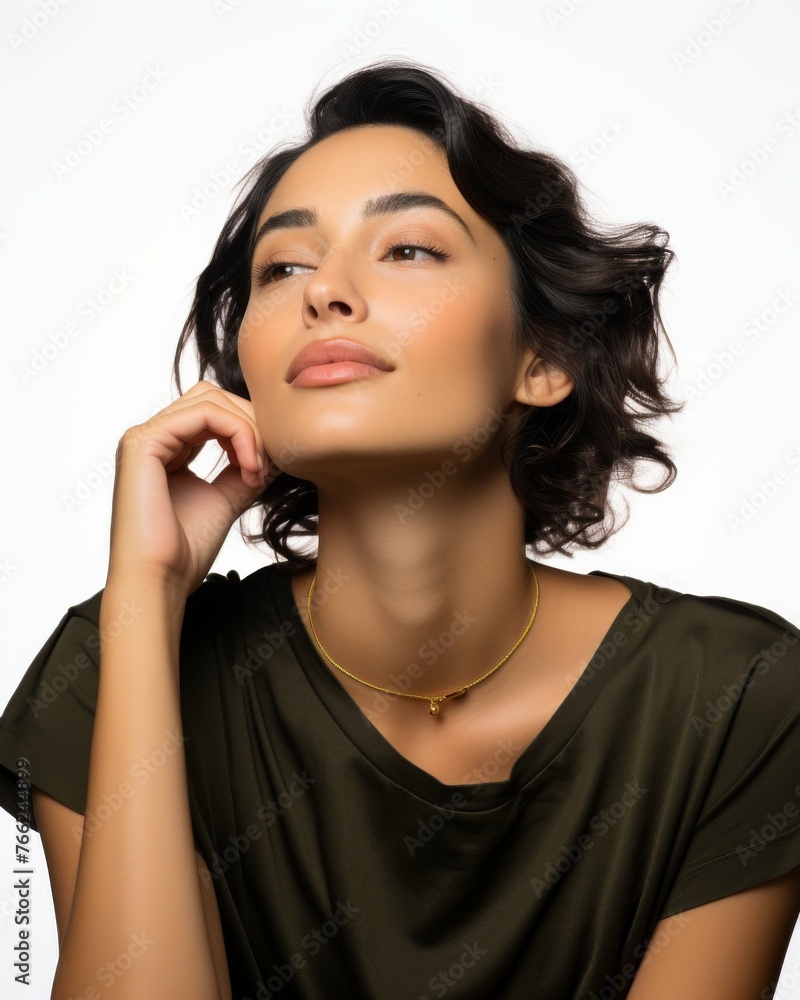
{"x":385,"y":204}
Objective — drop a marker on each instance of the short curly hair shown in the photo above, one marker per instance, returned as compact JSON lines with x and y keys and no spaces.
{"x":584,"y":299}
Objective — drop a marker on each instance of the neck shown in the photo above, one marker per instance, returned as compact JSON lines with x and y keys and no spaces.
{"x":421,"y":597}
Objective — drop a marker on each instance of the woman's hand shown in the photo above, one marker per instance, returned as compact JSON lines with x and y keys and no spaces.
{"x":168,"y":524}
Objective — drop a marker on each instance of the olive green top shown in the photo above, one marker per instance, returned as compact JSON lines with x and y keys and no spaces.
{"x":667,"y":778}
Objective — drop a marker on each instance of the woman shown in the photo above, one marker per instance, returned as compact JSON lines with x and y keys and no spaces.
{"x":420,"y":763}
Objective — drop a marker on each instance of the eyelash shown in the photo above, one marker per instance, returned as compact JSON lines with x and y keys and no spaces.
{"x":262,"y":271}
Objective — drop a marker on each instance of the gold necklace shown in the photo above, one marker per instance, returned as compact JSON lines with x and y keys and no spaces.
{"x":434,"y":699}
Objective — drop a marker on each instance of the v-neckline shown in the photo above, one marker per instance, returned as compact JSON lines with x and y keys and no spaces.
{"x":386,"y":758}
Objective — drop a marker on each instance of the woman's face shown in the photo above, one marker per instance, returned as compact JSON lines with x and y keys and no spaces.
{"x":444,"y":325}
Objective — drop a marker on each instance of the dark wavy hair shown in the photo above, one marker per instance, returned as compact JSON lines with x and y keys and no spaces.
{"x":584,"y":299}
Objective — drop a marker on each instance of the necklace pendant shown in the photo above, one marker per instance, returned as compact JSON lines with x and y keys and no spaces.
{"x":434,"y":708}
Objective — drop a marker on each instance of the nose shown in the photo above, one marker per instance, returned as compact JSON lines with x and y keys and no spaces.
{"x":334,"y":306}
{"x":330,"y":293}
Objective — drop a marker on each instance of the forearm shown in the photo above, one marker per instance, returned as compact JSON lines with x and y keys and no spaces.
{"x":137,"y":891}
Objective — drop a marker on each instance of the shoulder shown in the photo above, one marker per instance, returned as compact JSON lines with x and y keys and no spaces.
{"x":697,"y":644}
{"x":216,"y":620}
{"x":233,"y":585}
{"x":709,"y":618}
{"x":233,"y":592}
{"x":726,"y":623}
{"x":217,"y":592}
{"x":734,"y":667}
{"x":726,"y":606}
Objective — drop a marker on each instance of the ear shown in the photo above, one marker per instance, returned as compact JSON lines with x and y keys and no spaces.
{"x":540,"y":383}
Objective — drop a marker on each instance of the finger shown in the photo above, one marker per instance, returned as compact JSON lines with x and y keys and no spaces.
{"x":168,"y":435}
{"x":196,"y":389}
{"x":222,"y":398}
{"x":190,"y":452}
{"x":205,"y":389}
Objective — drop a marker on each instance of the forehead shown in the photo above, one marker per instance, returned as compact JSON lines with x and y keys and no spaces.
{"x":344,"y":170}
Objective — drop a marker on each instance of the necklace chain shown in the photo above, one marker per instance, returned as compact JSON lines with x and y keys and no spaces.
{"x":434,"y":699}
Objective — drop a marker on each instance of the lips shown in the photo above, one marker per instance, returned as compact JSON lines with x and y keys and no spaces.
{"x":325,"y":352}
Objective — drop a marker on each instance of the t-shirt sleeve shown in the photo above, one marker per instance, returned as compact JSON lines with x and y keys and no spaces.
{"x":49,"y":718}
{"x":749,"y":829}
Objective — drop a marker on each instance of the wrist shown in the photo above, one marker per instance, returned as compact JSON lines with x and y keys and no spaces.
{"x":153,"y":590}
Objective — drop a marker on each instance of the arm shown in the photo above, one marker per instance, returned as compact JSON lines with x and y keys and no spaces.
{"x":730,"y":949}
{"x":62,"y":851}
{"x":136,"y":899}
{"x":131,"y":885}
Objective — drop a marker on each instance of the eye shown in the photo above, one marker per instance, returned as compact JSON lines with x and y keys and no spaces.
{"x":268,"y":273}
{"x":434,"y":251}
{"x":263,"y":273}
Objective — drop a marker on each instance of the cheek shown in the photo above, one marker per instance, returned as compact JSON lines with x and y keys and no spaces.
{"x":255,"y":345}
{"x":247,"y":340}
{"x":256,"y":318}
{"x":460,"y":341}
{"x":266,"y":309}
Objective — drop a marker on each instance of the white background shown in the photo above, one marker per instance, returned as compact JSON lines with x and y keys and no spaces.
{"x":696,"y":95}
